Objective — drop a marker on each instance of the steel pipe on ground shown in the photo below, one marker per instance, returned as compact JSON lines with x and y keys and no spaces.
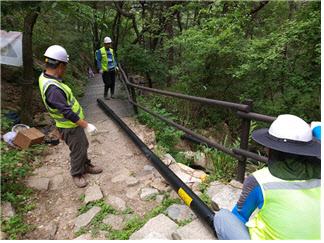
{"x":190,"y":198}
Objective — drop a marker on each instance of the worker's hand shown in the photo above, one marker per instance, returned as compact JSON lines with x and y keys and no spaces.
{"x":101,"y":72}
{"x":91,"y":129}
{"x":117,"y":69}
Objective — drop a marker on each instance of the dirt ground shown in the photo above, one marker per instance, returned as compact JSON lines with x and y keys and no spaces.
{"x":110,"y":149}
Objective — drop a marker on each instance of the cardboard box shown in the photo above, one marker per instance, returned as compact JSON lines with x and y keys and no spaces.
{"x":28,"y":137}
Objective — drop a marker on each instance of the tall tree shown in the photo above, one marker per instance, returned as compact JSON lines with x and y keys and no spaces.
{"x":26,"y":112}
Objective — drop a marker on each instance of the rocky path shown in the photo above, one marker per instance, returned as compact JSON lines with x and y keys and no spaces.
{"x":126,"y":183}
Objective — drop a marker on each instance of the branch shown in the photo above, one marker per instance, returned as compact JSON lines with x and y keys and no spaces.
{"x":259,"y":6}
{"x":131,"y":16}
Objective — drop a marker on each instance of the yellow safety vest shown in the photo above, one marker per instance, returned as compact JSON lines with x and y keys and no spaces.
{"x":291,"y":209}
{"x":104,"y":59}
{"x":60,"y":121}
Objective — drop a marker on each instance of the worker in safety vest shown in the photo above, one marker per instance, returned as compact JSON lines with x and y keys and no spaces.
{"x":107,"y":67}
{"x":67,"y":113}
{"x":287,"y":193}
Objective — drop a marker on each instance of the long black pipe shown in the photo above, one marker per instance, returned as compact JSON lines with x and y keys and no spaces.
{"x":190,"y":198}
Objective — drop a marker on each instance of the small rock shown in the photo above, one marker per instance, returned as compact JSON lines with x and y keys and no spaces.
{"x":180,"y":212}
{"x":85,"y":219}
{"x":149,"y":168}
{"x":132,"y":182}
{"x":49,"y":231}
{"x":3,"y":235}
{"x":162,"y":225}
{"x":56,"y":182}
{"x":148,"y":192}
{"x":117,"y":203}
{"x":93,"y":193}
{"x":144,"y":175}
{"x":116,"y":222}
{"x":168,"y":159}
{"x":38,"y":183}
{"x":7,"y":211}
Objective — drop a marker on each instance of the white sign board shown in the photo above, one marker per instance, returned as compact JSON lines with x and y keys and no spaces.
{"x":11,"y":48}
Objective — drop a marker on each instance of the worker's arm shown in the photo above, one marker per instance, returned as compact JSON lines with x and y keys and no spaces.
{"x":250,"y":198}
{"x":82,"y":123}
{"x":56,"y":99}
{"x":99,"y":59}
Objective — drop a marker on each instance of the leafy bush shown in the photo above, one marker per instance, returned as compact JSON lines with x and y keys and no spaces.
{"x":6,"y":124}
{"x":166,"y":135}
{"x":139,"y":60}
{"x":16,"y":165}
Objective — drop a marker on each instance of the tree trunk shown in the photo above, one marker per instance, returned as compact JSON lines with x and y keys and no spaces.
{"x":96,"y":42}
{"x":169,"y":29}
{"x":115,"y":32}
{"x":26,"y":112}
{"x":132,"y":17}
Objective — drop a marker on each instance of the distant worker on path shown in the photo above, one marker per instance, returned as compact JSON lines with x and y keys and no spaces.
{"x":67,"y":113}
{"x":287,"y":192}
{"x":107,"y":67}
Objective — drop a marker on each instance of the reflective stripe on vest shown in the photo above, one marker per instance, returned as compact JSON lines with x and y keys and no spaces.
{"x":60,"y":121}
{"x":104,"y":59}
{"x":291,"y":209}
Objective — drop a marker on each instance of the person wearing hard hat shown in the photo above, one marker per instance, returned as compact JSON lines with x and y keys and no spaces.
{"x":287,"y":193}
{"x":67,"y":113}
{"x":107,"y":67}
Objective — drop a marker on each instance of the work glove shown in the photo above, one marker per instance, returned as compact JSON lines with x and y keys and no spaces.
{"x":101,"y":72}
{"x":117,"y":69}
{"x":91,"y":129}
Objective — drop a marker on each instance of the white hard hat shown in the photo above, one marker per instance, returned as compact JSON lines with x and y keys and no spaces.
{"x":291,"y":127}
{"x":290,"y":134}
{"x":107,"y":40}
{"x":57,"y":52}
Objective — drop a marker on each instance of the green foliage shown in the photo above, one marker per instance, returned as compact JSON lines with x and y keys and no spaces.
{"x":15,"y":227}
{"x":16,"y":165}
{"x":6,"y":124}
{"x":224,"y":165}
{"x":140,"y":61}
{"x":166,"y":135}
{"x":205,"y":198}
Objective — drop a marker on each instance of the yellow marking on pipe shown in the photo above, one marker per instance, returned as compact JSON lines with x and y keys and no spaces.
{"x":185,"y":197}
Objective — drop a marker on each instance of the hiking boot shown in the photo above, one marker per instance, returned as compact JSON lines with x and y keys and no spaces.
{"x":92,"y":169}
{"x":79,"y":181}
{"x":113,"y":97}
{"x":107,"y":98}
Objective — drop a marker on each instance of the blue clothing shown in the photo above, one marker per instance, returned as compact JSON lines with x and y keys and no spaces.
{"x":56,"y":99}
{"x":317,"y":132}
{"x":111,"y":66}
{"x":250,"y":198}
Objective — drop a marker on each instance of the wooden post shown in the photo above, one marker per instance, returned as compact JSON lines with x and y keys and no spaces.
{"x":133,"y":95}
{"x":245,"y":133}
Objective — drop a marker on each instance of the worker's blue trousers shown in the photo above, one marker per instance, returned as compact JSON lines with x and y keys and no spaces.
{"x":230,"y":227}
